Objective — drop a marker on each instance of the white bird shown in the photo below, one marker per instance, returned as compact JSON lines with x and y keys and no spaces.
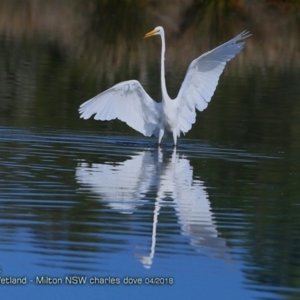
{"x":130,"y":103}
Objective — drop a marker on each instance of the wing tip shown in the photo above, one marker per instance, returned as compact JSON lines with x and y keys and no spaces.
{"x":243,"y":35}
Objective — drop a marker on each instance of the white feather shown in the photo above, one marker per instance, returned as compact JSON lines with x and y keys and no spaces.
{"x":203,"y":75}
{"x":128,"y":102}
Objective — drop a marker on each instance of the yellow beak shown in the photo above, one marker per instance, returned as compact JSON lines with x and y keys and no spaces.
{"x":151,"y":33}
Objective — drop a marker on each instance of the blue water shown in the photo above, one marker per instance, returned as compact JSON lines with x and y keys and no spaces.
{"x":76,"y":204}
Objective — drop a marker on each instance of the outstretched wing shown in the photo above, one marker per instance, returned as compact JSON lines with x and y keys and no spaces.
{"x":128,"y":102}
{"x":202,"y":78}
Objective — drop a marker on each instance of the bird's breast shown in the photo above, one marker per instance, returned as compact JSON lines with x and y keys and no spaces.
{"x":170,"y":118}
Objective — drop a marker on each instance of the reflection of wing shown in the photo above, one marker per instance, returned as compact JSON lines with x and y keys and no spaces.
{"x":122,"y":185}
{"x":191,"y":203}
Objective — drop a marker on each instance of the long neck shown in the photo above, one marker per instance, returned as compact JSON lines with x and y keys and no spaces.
{"x":162,"y":72}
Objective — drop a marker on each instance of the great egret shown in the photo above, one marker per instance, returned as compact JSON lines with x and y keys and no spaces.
{"x":130,"y":103}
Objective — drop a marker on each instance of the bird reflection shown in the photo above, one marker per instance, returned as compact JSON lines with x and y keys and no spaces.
{"x":124,"y":188}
